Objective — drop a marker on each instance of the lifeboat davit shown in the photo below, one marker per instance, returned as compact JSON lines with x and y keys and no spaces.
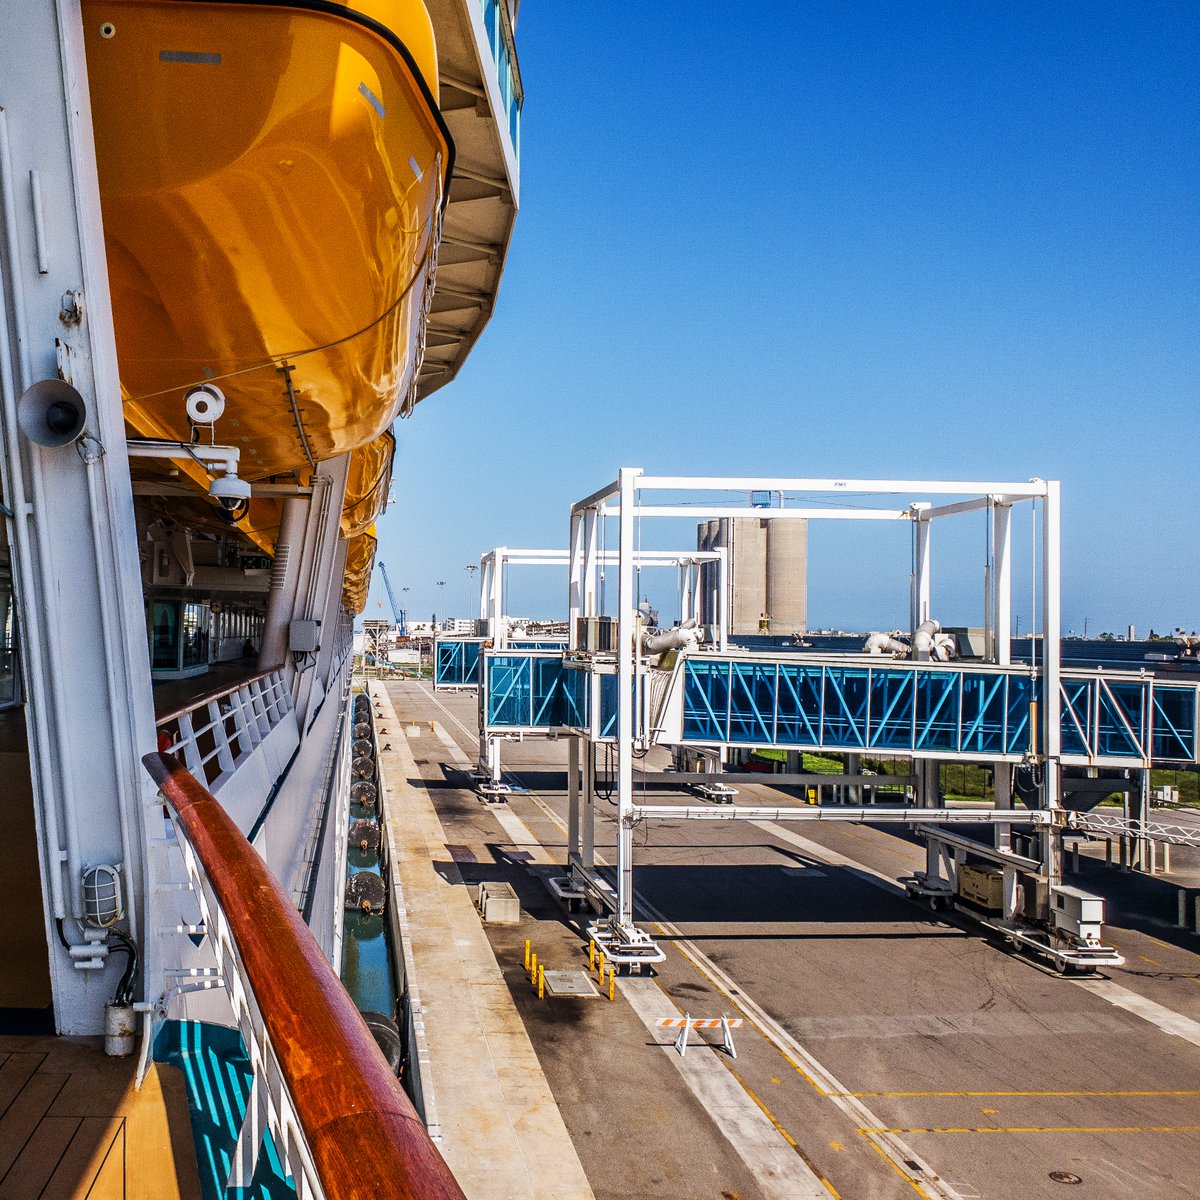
{"x":271,"y":179}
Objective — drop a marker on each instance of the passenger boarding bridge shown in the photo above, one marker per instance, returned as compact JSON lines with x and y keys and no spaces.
{"x":603,"y":688}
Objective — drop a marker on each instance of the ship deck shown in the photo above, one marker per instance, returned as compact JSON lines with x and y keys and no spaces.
{"x":72,"y":1125}
{"x":885,"y":1053}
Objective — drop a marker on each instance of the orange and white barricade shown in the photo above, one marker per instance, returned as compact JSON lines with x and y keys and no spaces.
{"x":687,"y":1022}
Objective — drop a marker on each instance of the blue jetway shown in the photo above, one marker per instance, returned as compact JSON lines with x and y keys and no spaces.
{"x":946,"y":711}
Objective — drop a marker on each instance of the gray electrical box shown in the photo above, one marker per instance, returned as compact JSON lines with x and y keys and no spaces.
{"x":304,"y":637}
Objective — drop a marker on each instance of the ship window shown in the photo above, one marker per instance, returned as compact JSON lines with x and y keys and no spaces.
{"x":196,"y":627}
{"x":164,"y":633}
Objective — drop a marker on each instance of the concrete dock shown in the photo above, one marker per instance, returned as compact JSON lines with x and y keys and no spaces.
{"x":884,"y":1051}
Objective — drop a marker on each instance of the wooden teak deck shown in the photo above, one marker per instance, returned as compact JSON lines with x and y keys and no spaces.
{"x":72,"y":1126}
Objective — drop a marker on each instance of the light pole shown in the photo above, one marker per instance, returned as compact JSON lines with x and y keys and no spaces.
{"x":470,"y":569}
{"x":441,"y":584}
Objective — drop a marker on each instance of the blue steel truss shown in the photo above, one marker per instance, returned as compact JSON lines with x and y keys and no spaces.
{"x":886,"y":708}
{"x":456,"y":663}
{"x":902,"y":708}
{"x":932,"y":710}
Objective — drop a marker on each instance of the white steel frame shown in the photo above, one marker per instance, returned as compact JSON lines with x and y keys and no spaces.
{"x":623,"y":499}
{"x":493,"y":605}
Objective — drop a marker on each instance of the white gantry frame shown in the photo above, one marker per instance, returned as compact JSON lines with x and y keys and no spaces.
{"x":493,"y":602}
{"x":633,"y":497}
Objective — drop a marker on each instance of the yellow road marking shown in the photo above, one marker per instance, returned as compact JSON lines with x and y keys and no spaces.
{"x":812,"y":1166}
{"x":1152,"y":961}
{"x":912,"y":1183}
{"x":837,"y":1145}
{"x":989,"y":1112}
{"x":1043,"y":1129}
{"x":982,"y":1095}
{"x":766,"y":1111}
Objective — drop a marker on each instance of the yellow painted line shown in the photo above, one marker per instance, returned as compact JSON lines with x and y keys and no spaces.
{"x":766,"y":1111}
{"x":984,"y":1095}
{"x":791,"y":1141}
{"x":1043,"y":1129}
{"x":887,"y":1158}
{"x":1152,"y":961}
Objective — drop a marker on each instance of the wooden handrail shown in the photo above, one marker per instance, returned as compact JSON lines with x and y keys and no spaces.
{"x":365,"y":1138}
{"x":182,"y":710}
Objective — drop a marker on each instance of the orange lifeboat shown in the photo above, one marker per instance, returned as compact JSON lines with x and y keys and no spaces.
{"x":271,"y":179}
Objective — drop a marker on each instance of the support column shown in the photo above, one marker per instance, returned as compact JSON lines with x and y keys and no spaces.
{"x":626,"y":633}
{"x":575,"y":579}
{"x":572,"y":801}
{"x":1051,"y":836}
{"x":922,"y":584}
{"x":588,"y":853}
{"x":1001,"y":584}
{"x":284,"y":576}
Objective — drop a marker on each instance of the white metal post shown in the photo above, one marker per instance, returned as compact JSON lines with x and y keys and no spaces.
{"x":723,"y":598}
{"x":922,"y":581}
{"x":485,"y":589}
{"x":1051,"y":668}
{"x":626,"y":632}
{"x":496,"y":600}
{"x":588,"y":854}
{"x":1001,"y":581}
{"x":591,"y":561}
{"x":575,"y":581}
{"x":572,"y":801}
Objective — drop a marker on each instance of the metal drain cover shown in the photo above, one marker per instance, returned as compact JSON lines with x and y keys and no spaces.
{"x":570,"y":983}
{"x":1065,"y":1177}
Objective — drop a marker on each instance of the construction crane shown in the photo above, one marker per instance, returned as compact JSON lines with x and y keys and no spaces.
{"x":397,"y":612}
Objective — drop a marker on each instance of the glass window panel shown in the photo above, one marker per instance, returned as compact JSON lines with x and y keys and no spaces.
{"x":705,"y":701}
{"x":1076,"y":713}
{"x":164,"y":634}
{"x":983,"y":714}
{"x":1020,"y":693}
{"x":847,"y":696}
{"x":1120,"y":711}
{"x":892,"y":702}
{"x":798,"y":714}
{"x":937,"y":710}
{"x":1174,"y":723}
{"x":752,"y":703}
{"x":509,"y":691}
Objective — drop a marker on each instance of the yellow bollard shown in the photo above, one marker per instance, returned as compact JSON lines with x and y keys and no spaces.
{"x":527,"y":954}
{"x":600,"y":964}
{"x":533,"y":968}
{"x":612,"y":983}
{"x":541,"y":983}
{"x":591,"y":954}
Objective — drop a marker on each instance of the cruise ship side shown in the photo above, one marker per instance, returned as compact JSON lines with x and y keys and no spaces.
{"x":240,"y":242}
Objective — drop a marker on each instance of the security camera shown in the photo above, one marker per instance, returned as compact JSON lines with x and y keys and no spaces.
{"x":205,"y":403}
{"x":231,"y":491}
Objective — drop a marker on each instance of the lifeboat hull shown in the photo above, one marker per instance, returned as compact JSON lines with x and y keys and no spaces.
{"x":271,"y":183}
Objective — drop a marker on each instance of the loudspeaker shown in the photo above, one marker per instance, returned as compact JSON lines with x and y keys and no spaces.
{"x":51,"y":413}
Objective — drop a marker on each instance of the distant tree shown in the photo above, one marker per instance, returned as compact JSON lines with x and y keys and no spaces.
{"x":1108,"y":637}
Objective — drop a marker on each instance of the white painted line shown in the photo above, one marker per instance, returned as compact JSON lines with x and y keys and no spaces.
{"x":1164,"y":1018}
{"x":893,"y":1147}
{"x":779,"y":1170}
{"x":452,"y":748}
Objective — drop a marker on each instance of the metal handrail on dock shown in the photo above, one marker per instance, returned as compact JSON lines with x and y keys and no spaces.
{"x":341,"y":1123}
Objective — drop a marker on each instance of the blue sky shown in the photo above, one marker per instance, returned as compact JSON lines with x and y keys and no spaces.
{"x":907,"y":240}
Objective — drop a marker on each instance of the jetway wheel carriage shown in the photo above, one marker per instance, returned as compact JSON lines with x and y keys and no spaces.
{"x":1067,"y":957}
